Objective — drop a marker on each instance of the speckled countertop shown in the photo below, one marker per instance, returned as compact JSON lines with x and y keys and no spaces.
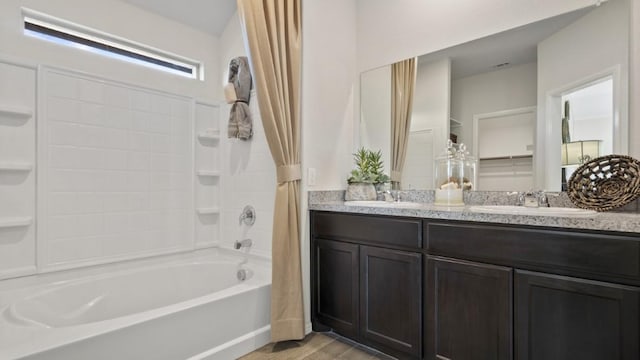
{"x":626,"y":220}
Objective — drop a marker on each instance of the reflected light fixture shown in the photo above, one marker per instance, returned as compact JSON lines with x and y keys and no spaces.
{"x":579,"y":152}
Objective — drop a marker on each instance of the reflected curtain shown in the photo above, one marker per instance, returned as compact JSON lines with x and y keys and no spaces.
{"x":272,"y":30}
{"x":403,"y":81}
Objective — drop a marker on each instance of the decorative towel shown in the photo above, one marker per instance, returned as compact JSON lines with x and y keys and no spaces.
{"x":238,"y":92}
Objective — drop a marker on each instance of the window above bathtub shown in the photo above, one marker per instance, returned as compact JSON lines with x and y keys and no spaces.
{"x":63,"y":32}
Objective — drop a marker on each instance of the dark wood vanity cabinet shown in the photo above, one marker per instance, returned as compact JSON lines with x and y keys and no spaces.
{"x":560,"y":317}
{"x":568,"y":294}
{"x":391,"y":300}
{"x":468,"y":310}
{"x":371,"y":294}
{"x":475,"y":290}
{"x":336,"y":286}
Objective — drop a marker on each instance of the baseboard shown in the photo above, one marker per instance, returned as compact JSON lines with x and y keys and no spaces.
{"x":237,"y":347}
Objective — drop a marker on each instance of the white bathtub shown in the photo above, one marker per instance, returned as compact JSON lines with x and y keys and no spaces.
{"x":188,"y":306}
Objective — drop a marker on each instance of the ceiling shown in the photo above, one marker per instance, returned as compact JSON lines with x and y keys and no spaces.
{"x":210,"y":16}
{"x":509,"y":48}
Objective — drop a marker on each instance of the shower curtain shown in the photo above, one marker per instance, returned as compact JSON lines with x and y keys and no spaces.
{"x":272,"y":29}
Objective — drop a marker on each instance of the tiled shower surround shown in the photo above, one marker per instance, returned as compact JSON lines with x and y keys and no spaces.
{"x":115,"y":167}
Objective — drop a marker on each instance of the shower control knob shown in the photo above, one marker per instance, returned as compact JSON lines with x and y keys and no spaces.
{"x":248,"y":215}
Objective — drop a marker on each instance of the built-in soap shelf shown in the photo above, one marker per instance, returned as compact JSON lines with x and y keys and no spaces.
{"x":10,"y":222}
{"x":208,"y":210}
{"x":16,"y":111}
{"x":209,"y":134}
{"x":208,"y":173}
{"x":15,"y":166}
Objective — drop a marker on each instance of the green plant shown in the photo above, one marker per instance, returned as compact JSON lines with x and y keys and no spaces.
{"x":369,"y":168}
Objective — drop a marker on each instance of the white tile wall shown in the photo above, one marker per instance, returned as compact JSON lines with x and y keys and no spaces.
{"x":249,"y":179}
{"x":116,"y":166}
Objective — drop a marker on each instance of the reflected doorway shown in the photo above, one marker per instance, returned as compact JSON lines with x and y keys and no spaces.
{"x":588,"y":124}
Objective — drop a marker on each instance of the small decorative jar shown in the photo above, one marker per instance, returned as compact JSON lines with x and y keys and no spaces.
{"x":470,"y":167}
{"x":449,"y":177}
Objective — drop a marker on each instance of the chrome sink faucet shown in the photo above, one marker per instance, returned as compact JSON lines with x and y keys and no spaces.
{"x":533,"y":199}
{"x":391,"y":196}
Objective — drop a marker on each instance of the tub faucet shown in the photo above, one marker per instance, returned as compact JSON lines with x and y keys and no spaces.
{"x":242,"y":243}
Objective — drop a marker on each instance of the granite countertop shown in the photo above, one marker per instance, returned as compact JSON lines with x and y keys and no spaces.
{"x":627,"y":221}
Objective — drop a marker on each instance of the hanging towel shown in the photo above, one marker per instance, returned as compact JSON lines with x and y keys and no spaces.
{"x":238,"y":92}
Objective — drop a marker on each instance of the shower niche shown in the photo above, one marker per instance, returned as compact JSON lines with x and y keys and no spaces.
{"x":17,"y":163}
{"x":207,"y":165}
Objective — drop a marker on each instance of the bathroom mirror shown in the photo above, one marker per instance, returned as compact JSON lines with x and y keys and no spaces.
{"x":505,"y":97}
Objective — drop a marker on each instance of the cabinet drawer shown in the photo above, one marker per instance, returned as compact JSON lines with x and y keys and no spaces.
{"x":601,"y":255}
{"x":399,"y":232}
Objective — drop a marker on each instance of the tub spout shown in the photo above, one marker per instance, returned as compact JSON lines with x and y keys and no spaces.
{"x":242,"y":243}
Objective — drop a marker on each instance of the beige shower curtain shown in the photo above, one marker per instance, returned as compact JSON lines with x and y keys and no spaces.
{"x":403,"y":80}
{"x":273,"y":31}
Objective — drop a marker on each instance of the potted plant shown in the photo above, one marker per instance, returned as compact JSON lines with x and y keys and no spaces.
{"x":367,"y":176}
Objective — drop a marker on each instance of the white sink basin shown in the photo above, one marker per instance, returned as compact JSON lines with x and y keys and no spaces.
{"x":540,"y":211}
{"x":386,"y":204}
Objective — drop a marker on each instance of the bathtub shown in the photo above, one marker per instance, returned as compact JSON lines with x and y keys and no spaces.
{"x":209,"y":304}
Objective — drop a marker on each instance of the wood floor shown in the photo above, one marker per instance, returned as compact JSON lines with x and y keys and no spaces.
{"x":316,"y":346}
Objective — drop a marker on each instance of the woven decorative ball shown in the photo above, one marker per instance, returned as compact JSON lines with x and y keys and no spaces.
{"x":605,"y":183}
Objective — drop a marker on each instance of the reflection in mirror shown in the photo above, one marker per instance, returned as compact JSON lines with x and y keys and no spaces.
{"x":403,"y":81}
{"x":587,"y":125}
{"x":503,"y":96}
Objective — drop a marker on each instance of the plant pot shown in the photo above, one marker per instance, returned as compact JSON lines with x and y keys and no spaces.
{"x":360,"y":191}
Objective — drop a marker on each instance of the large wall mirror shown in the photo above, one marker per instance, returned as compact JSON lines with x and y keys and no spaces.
{"x":531,"y":103}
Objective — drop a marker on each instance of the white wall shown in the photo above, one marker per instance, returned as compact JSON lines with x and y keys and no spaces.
{"x":375,"y":107}
{"x":510,"y":88}
{"x":121,"y":19}
{"x":330,"y":83}
{"x":419,"y":166}
{"x":605,"y":29}
{"x":431,"y":100}
{"x":249,"y":175}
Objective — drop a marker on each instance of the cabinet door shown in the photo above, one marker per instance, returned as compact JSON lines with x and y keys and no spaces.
{"x":558,"y":317}
{"x":468,"y":310}
{"x":335,"y":287}
{"x":390,"y":301}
